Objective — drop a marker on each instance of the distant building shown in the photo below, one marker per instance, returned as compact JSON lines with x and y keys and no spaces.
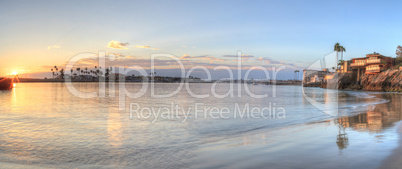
{"x":308,"y":75}
{"x":314,"y":76}
{"x":345,"y":67}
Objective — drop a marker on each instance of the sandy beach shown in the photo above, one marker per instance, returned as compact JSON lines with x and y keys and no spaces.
{"x":304,"y":146}
{"x":315,"y":147}
{"x":394,"y":161}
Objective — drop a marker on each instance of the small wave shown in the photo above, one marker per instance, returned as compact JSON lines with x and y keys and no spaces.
{"x":350,"y":109}
{"x":365,"y":104}
{"x":362,"y":95}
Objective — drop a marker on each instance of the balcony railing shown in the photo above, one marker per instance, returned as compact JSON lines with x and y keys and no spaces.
{"x":358,"y":64}
{"x":375,"y":69}
{"x":374,"y":61}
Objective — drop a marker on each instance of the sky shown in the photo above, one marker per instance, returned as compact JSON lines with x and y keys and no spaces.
{"x":37,"y":35}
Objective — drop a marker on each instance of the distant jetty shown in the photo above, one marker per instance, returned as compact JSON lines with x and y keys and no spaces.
{"x":6,"y":83}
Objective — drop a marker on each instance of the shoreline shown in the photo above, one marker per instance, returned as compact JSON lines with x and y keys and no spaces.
{"x":63,"y":81}
{"x":357,"y":90}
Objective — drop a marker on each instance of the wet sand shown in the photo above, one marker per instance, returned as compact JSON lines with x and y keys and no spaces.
{"x":370,"y":139}
{"x":302,"y":146}
{"x":313,"y":145}
{"x":395,"y":160}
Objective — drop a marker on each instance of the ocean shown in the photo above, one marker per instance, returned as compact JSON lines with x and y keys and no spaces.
{"x":205,"y":125}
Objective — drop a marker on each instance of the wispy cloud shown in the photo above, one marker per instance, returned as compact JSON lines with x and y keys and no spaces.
{"x":235,"y":56}
{"x":146,"y":47}
{"x":275,"y":62}
{"x":52,"y":47}
{"x":117,"y":45}
{"x":268,"y":60}
{"x":208,"y":58}
{"x":117,"y":54}
{"x":130,"y":57}
{"x":185,"y":56}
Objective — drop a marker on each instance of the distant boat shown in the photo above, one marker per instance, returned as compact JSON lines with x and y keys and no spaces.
{"x":6,"y":83}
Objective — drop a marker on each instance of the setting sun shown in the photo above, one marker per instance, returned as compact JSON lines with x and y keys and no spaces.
{"x":15,"y":73}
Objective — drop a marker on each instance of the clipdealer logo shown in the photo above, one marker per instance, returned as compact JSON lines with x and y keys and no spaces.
{"x":121,"y":93}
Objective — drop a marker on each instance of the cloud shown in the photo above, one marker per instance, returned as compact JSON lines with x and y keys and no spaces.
{"x":268,"y":60}
{"x":116,"y":54}
{"x":208,"y":58}
{"x":130,"y":57}
{"x":146,"y":47}
{"x":275,"y":62}
{"x":52,"y":47}
{"x":117,"y":45}
{"x":235,"y":56}
{"x":185,"y":56}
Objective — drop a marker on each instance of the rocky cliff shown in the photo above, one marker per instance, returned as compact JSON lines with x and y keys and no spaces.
{"x":390,"y":80}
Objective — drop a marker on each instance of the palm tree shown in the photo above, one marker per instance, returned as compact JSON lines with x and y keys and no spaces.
{"x":62,"y":73}
{"x":78,"y":70}
{"x":97,"y":72}
{"x":107,"y":72}
{"x":52,"y":73}
{"x":56,"y":70}
{"x":342,"y":49}
{"x":337,"y":48}
{"x":340,"y":62}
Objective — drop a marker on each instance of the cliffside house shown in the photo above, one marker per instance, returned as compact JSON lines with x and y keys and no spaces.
{"x":373,"y":63}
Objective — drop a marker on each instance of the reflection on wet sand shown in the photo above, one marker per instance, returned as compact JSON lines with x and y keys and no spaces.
{"x":374,"y":120}
{"x":342,"y":139}
{"x":114,"y":129}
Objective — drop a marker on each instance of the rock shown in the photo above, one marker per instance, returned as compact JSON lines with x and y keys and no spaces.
{"x":390,"y":80}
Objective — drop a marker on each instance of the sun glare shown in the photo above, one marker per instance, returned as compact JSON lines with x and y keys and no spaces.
{"x":15,"y":73}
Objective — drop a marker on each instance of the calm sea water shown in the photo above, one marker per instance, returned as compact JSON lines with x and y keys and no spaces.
{"x":45,"y":125}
